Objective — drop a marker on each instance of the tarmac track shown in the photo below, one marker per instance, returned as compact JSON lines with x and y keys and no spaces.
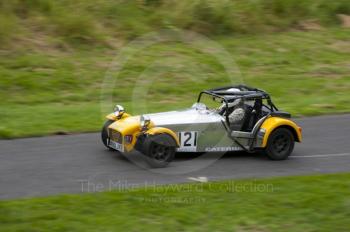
{"x":80,"y":163}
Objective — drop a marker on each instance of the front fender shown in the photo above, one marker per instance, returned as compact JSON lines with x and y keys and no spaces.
{"x":113,"y":117}
{"x":272,"y":123}
{"x":160,"y":130}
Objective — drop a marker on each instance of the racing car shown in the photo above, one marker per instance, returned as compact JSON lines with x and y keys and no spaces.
{"x":235,"y":118}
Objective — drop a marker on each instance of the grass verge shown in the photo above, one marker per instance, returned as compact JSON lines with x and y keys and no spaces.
{"x":96,"y":21}
{"x":44,"y":92}
{"x":303,"y":203}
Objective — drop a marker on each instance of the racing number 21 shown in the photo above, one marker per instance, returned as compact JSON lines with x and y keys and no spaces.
{"x":188,"y":140}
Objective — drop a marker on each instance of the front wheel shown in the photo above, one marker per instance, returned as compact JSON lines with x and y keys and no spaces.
{"x":104,"y":133}
{"x":159,"y":150}
{"x":280,"y":144}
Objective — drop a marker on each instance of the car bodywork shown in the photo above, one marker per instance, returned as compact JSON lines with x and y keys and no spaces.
{"x":199,"y":129}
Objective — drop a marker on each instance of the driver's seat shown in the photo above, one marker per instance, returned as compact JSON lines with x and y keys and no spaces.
{"x":253,"y":114}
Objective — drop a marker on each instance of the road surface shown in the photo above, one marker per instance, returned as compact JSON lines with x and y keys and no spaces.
{"x":79,"y":163}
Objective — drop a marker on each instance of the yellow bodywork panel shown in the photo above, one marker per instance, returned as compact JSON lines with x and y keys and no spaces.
{"x":113,"y":117}
{"x":272,"y":123}
{"x":130,"y":125}
{"x":160,"y":130}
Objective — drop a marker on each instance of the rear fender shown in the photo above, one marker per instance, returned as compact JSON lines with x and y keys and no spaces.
{"x":273,"y":123}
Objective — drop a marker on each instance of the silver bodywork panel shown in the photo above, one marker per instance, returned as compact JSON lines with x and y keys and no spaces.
{"x":199,"y":130}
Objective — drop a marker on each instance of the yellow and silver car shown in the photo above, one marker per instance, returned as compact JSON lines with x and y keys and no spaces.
{"x":236,"y":118}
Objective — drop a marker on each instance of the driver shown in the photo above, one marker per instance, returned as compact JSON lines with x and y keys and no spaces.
{"x":236,"y":111}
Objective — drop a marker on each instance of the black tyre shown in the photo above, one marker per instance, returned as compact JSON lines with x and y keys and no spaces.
{"x":159,"y":150}
{"x":104,"y":133}
{"x":280,"y":144}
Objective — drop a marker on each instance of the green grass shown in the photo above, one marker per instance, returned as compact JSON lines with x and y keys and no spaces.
{"x":95,"y":21}
{"x":48,"y":91}
{"x":304,"y":203}
{"x":54,"y":56}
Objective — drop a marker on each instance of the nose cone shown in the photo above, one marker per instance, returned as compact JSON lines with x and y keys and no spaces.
{"x":127,"y":125}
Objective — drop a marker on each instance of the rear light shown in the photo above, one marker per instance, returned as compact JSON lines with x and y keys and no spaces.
{"x":261,"y":132}
{"x":300,"y":130}
{"x":128,"y":138}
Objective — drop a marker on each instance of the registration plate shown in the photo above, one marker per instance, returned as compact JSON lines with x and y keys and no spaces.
{"x":116,"y":146}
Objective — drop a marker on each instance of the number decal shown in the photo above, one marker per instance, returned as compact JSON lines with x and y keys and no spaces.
{"x":188,"y":141}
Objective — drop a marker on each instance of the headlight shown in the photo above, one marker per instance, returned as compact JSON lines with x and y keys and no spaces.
{"x":118,"y":110}
{"x":144,"y":120}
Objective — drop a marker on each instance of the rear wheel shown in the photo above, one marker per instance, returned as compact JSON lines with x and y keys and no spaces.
{"x":104,"y":133}
{"x":159,"y":150}
{"x":280,"y":144}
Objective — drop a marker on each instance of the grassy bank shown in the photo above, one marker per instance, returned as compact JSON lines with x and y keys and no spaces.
{"x":308,"y":203}
{"x":54,"y":56}
{"x":48,"y":91}
{"x":97,"y":21}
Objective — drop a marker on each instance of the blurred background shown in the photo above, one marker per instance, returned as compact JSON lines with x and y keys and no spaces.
{"x":54,"y":56}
